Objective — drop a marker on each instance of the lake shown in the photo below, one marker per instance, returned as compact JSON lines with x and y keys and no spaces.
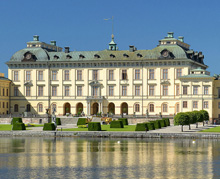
{"x":34,"y":157}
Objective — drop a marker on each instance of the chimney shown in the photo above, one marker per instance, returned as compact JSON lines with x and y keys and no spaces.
{"x":36,"y":38}
{"x":53,"y":42}
{"x":67,"y":49}
{"x":131,"y":48}
{"x":181,"y":38}
{"x":170,"y":34}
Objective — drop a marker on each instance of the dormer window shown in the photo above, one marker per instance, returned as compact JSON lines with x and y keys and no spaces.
{"x":81,"y":56}
{"x":55,"y":57}
{"x":112,"y":56}
{"x":139,"y":55}
{"x":68,"y":57}
{"x":96,"y":56}
{"x":125,"y":55}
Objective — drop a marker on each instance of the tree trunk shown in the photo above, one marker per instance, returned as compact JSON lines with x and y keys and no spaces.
{"x":189,"y":127}
{"x":196,"y":124}
{"x":181,"y":128}
{"x":203,"y":123}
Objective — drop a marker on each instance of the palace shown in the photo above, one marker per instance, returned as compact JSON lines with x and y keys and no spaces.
{"x":168,"y":79}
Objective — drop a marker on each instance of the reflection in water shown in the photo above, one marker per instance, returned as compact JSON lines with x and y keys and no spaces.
{"x":108,"y":158}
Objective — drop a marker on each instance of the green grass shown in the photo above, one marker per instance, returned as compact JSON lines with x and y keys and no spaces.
{"x":5,"y":127}
{"x":105,"y":128}
{"x":215,"y":129}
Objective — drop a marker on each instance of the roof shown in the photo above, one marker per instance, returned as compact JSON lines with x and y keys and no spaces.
{"x":5,"y":79}
{"x":196,"y":76}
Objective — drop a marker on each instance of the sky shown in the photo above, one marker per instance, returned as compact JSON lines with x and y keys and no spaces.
{"x":80,"y":25}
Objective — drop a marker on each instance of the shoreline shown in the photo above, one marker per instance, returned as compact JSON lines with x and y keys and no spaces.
{"x":104,"y":134}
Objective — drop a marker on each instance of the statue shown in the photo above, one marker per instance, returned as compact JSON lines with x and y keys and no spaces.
{"x":147,"y":113}
{"x":54,"y":118}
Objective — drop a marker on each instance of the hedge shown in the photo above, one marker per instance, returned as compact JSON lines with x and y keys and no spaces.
{"x":16,"y":120}
{"x":49,"y":127}
{"x":18,"y":126}
{"x":124,"y":120}
{"x":141,"y":127}
{"x":116,"y":124}
{"x":150,"y":126}
{"x":156,"y":124}
{"x":94,"y":126}
{"x":162,"y":123}
{"x":167,"y":121}
{"x":58,"y":121}
{"x":81,"y":121}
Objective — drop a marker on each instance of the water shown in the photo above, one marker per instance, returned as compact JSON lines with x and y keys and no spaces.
{"x":108,"y":158}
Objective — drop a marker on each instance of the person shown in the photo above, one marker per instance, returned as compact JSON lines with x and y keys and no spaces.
{"x":82,"y":114}
{"x":215,"y":122}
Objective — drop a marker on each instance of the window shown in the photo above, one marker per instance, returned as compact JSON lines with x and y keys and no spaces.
{"x":178,"y":73}
{"x":184,"y":89}
{"x":195,"y":90}
{"x":151,"y":107}
{"x":165,"y":74}
{"x":28,"y":75}
{"x":40,"y":107}
{"x":124,"y":74}
{"x":54,"y":91}
{"x":7,"y":105}
{"x":184,"y":104}
{"x":111,"y":74}
{"x":16,"y":108}
{"x":164,"y":107}
{"x":40,"y":90}
{"x":54,"y":75}
{"x":7,"y":92}
{"x":28,"y":91}
{"x":111,"y":90}
{"x":124,"y":90}
{"x":79,"y":90}
{"x":95,"y":90}
{"x":79,"y":74}
{"x":66,"y":75}
{"x":177,"y":90}
{"x":137,"y":90}
{"x":219,"y":105}
{"x":66,"y":90}
{"x":206,"y":90}
{"x":137,"y":108}
{"x":3,"y":92}
{"x":3,"y":104}
{"x":165,"y":90}
{"x":54,"y":107}
{"x":151,"y":90}
{"x":137,"y":74}
{"x":95,"y":74}
{"x":16,"y":91}
{"x":195,"y":104}
{"x":40,"y":75}
{"x":16,"y":76}
{"x":205,"y":104}
{"x":151,"y":74}
{"x":28,"y":108}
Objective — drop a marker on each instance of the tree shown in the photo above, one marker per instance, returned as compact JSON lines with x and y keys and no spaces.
{"x":199,"y":117}
{"x":181,"y":119}
{"x":205,"y":115}
{"x":192,"y":118}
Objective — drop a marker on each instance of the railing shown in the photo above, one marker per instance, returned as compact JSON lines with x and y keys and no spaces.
{"x":94,"y":97}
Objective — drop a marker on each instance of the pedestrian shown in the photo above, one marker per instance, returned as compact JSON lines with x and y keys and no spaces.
{"x":215,"y":122}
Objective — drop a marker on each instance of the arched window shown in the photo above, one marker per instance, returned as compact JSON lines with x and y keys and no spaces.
{"x":151,"y":107}
{"x":164,"y":107}
{"x":16,"y":108}
{"x":137,"y":108}
{"x":54,"y":108}
{"x":40,"y":107}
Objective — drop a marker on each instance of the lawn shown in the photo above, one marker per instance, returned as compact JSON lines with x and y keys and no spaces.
{"x":105,"y":128}
{"x":5,"y":127}
{"x":215,"y":129}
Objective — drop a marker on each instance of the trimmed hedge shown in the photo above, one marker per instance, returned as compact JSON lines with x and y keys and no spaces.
{"x":141,"y":127}
{"x":124,"y":120}
{"x":18,"y":126}
{"x":49,"y":127}
{"x":156,"y":124}
{"x":116,"y":124}
{"x":94,"y":126}
{"x":150,"y":126}
{"x":162,"y":123}
{"x":167,"y":121}
{"x":58,"y":121}
{"x":81,"y":121}
{"x":16,"y":120}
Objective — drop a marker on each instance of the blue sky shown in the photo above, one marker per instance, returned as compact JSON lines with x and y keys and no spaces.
{"x":80,"y":24}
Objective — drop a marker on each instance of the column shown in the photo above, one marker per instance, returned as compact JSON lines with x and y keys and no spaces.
{"x":88,"y":108}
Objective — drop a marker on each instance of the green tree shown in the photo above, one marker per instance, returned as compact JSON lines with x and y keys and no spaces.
{"x":199,"y":117}
{"x":205,"y":115}
{"x":181,"y":119}
{"x":192,"y":118}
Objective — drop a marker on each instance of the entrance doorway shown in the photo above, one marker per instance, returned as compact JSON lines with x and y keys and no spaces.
{"x":111,"y":108}
{"x":79,"y":108}
{"x":95,"y":107}
{"x":124,"y":108}
{"x":66,"y":108}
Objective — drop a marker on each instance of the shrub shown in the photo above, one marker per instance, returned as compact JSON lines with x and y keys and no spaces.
{"x":156,"y":124}
{"x":16,"y":120}
{"x":82,"y":126}
{"x":81,"y":121}
{"x":167,"y":121}
{"x":199,"y":116}
{"x":116,"y":124}
{"x":181,"y":119}
{"x":58,"y":121}
{"x":18,"y":126}
{"x":141,"y":127}
{"x":205,"y":115}
{"x":124,"y":120}
{"x":49,"y":127}
{"x":162,"y":123}
{"x":150,"y":126}
{"x":192,"y":117}
{"x":94,"y":126}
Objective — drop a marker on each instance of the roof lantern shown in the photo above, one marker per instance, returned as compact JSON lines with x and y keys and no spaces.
{"x":112,"y":44}
{"x":181,"y":38}
{"x":36,"y":38}
{"x":170,"y":34}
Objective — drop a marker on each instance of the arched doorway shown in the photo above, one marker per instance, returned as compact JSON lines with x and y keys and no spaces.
{"x":95,"y":107}
{"x":79,"y":108}
{"x":111,"y":108}
{"x":124,"y":108}
{"x":66,"y":108}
